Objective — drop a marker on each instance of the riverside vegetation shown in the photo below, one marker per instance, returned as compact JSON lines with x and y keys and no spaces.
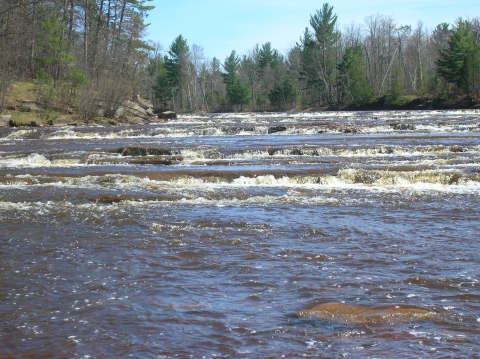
{"x":81,"y":61}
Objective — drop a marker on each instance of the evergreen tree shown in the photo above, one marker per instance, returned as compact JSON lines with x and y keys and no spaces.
{"x":162,"y":89}
{"x":307,"y":73}
{"x":459,"y":63}
{"x":395,"y":95}
{"x":268,"y":56}
{"x":45,"y":94}
{"x":53,"y":54}
{"x":215,"y":98}
{"x":176,"y":66}
{"x":252,"y":72}
{"x":282,"y":94}
{"x":230,"y":66}
{"x":352,"y":76}
{"x":238,"y":92}
{"x":324,"y":23}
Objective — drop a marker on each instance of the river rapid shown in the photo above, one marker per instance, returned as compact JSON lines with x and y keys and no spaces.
{"x":286,"y":235}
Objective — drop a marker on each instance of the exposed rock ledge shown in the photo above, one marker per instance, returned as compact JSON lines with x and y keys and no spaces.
{"x":135,"y":111}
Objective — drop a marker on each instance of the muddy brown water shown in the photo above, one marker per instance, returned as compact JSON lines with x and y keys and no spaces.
{"x":207,"y":236}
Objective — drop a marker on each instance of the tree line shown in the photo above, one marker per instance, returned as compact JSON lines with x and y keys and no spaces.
{"x":92,"y":54}
{"x":377,"y":62}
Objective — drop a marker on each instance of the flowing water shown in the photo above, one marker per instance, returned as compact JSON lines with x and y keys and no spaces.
{"x":322,"y":235}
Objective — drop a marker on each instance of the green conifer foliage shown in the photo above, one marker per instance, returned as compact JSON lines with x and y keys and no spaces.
{"x":238,"y":92}
{"x":352,"y":76}
{"x":459,"y":63}
{"x":230,"y":66}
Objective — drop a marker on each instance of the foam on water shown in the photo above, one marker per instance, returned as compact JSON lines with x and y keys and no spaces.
{"x":355,"y":179}
{"x":297,"y":124}
{"x":81,"y":134}
{"x":33,"y":160}
{"x":20,"y":134}
{"x":369,"y":115}
{"x":196,"y":156}
{"x":37,"y":160}
{"x":383,"y":151}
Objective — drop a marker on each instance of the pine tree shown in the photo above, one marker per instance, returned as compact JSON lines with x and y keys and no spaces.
{"x":323,"y":23}
{"x":352,"y":76}
{"x":307,"y":72}
{"x":459,"y":62}
{"x":230,"y":66}
{"x":238,"y":92}
{"x":176,"y":66}
{"x":268,"y":56}
{"x":282,"y":94}
{"x":162,"y":89}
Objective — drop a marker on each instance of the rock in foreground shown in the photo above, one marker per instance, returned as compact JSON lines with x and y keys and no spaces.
{"x":353,"y":314}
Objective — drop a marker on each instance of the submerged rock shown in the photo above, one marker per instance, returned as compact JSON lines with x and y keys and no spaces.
{"x":156,"y":160}
{"x":353,"y":314}
{"x":276,"y":129}
{"x":457,"y":149}
{"x":142,"y":151}
{"x":109,"y":199}
{"x":404,"y":126}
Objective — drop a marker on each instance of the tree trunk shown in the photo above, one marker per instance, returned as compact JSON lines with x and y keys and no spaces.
{"x":85,"y":35}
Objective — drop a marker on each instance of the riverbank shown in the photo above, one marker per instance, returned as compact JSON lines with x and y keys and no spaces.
{"x":21,"y":109}
{"x":413,"y":103}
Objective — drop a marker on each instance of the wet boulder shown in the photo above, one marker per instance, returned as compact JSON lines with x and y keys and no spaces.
{"x":404,"y":126}
{"x":275,"y":129}
{"x":457,"y":149}
{"x":109,"y":199}
{"x":142,"y":151}
{"x":272,"y":151}
{"x":156,"y":160}
{"x":138,"y":155}
{"x":167,"y":115}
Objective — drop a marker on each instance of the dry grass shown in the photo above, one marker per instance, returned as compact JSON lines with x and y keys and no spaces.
{"x":25,"y":118}
{"x":21,"y":91}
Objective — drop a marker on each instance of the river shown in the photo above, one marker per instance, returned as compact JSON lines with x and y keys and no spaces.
{"x":295,"y":235}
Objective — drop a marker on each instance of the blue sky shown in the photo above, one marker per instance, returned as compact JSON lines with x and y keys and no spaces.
{"x":222,"y":26}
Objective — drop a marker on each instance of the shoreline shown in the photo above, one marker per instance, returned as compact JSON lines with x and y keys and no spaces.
{"x":14,"y":119}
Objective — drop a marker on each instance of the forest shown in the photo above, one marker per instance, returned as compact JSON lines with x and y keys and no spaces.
{"x":82,"y":55}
